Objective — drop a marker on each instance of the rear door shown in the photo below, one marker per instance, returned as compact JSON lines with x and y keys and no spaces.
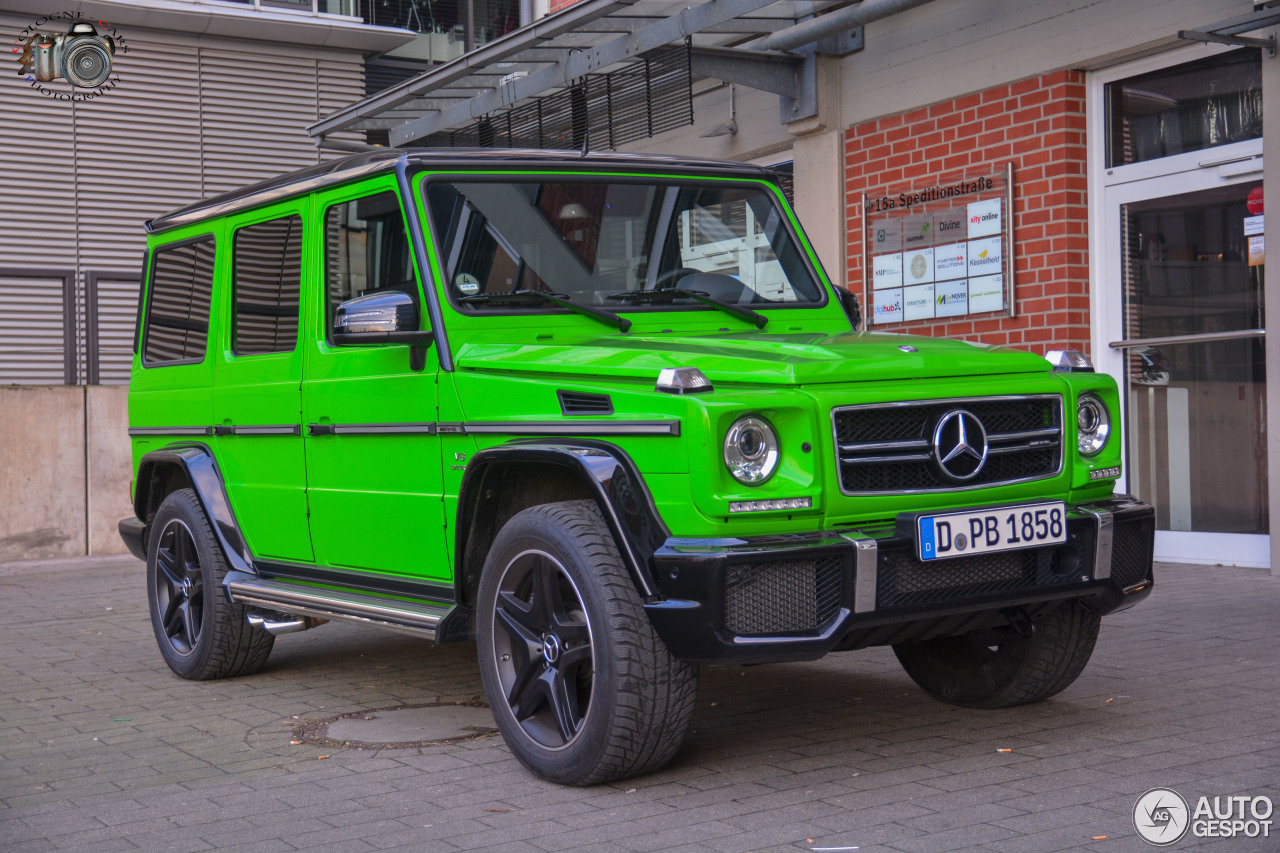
{"x":257,"y":398}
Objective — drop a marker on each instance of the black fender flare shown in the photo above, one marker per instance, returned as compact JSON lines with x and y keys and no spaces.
{"x":608,"y":474}
{"x":200,"y":467}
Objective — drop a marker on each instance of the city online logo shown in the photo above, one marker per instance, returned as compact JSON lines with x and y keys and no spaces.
{"x":1162,"y":817}
{"x":67,"y":46}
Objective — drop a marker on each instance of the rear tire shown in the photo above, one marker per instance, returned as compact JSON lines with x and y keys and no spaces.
{"x":201,"y":634}
{"x":582,"y":688}
{"x":998,"y":667}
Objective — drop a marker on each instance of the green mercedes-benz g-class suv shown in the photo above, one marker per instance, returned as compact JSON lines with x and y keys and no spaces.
{"x":606,"y":416}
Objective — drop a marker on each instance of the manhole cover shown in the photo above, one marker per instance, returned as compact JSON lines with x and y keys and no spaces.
{"x":409,"y":726}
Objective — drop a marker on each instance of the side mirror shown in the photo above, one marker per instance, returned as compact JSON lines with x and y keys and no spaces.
{"x":849,"y":302}
{"x":389,"y":317}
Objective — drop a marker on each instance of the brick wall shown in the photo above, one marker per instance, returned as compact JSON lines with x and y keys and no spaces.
{"x":557,"y":5}
{"x":1039,"y":124}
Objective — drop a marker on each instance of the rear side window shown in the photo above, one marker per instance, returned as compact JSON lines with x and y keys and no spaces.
{"x":366,"y":250}
{"x":178,"y":310}
{"x":267,"y":276}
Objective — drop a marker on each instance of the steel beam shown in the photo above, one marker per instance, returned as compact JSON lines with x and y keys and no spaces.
{"x":769,"y":72}
{"x":818,"y":28}
{"x":633,"y":23}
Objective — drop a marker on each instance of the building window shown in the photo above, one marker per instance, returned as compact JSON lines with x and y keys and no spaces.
{"x":1189,"y":107}
{"x":178,"y":310}
{"x":268,"y":285}
{"x":443,"y":24}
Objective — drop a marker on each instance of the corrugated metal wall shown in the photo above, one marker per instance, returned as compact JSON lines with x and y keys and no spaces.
{"x":190,"y":118}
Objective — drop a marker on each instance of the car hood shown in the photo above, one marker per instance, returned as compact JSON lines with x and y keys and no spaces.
{"x":757,"y":358}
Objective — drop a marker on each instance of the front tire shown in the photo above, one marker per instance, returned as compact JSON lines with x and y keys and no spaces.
{"x":581,"y":687}
{"x":998,"y":667}
{"x":201,"y":634}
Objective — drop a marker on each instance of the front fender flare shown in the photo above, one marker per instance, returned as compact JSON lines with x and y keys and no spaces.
{"x":612,"y":480}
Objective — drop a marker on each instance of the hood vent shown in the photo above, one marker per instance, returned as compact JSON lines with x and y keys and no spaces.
{"x":580,"y":403}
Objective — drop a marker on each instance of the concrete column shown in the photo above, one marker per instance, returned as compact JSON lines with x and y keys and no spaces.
{"x":818,"y":152}
{"x":820,"y":190}
{"x":1271,"y":206}
{"x":110,"y":466}
{"x":42,"y":472}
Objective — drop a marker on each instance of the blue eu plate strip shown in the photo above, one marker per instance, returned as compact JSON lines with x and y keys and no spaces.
{"x":927,"y":540}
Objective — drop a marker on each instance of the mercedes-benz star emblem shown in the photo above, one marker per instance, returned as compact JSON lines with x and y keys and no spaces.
{"x":960,"y":445}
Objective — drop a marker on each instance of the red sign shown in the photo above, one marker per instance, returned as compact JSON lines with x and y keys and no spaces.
{"x":1254,"y":202}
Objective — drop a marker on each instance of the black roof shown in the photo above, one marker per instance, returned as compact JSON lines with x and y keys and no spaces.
{"x":332,"y":172}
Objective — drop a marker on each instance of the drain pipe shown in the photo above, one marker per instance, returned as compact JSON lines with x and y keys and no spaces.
{"x":822,"y":26}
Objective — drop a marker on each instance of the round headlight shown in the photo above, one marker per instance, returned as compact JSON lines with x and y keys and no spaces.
{"x":751,"y":450}
{"x":1094,"y":422}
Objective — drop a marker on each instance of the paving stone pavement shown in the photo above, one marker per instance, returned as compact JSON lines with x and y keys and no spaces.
{"x":104,"y":749}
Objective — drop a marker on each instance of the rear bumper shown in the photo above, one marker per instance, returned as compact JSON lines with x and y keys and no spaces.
{"x":780,"y":598}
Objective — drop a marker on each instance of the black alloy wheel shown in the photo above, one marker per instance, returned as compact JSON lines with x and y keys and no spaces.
{"x":200,"y":633}
{"x":543,"y":648}
{"x":179,"y":587}
{"x":581,"y":687}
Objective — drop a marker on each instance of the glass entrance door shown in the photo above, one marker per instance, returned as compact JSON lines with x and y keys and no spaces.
{"x":1185,"y":328}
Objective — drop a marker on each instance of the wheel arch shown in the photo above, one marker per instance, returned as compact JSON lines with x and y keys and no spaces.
{"x":524,"y":473}
{"x":191,"y":465}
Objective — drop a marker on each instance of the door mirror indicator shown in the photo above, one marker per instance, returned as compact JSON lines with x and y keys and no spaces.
{"x":388,"y":317}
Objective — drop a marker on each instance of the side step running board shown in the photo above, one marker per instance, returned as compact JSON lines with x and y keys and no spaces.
{"x":421,"y":619}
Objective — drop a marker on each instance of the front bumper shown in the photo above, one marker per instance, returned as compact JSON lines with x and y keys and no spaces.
{"x":134,"y":533}
{"x":798,"y":597}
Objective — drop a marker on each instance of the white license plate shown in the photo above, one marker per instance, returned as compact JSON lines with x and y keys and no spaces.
{"x":1008,"y":528}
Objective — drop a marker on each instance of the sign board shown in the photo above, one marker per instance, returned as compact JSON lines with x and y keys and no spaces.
{"x":939,"y":251}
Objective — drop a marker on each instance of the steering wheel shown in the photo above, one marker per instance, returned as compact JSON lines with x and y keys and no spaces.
{"x":671,"y":278}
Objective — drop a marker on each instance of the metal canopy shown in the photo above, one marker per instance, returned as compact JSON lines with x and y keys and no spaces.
{"x":763,"y":44}
{"x":1228,"y":31}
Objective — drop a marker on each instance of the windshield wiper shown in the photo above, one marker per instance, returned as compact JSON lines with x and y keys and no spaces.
{"x":672,"y":293}
{"x":527,"y":297}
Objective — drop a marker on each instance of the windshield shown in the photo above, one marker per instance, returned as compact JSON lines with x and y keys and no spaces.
{"x":619,"y":245}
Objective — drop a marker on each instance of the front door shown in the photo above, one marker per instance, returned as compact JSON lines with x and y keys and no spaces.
{"x":373,"y":456}
{"x":1185,"y":330}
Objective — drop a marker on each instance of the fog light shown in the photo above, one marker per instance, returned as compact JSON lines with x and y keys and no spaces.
{"x":771,"y":505}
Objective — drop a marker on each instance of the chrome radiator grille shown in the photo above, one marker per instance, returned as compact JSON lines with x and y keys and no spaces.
{"x":885,"y":448}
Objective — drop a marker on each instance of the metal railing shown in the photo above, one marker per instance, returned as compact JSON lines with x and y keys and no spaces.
{"x":1203,"y":337}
